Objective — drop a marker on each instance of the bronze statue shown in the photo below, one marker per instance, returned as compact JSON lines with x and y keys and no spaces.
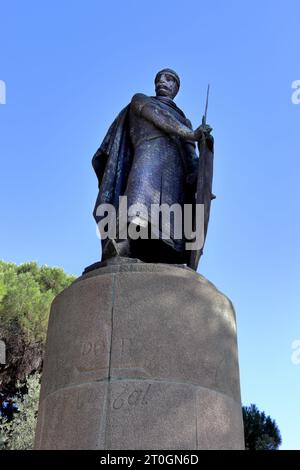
{"x":149,"y":156}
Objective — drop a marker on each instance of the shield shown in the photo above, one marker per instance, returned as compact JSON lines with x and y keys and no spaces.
{"x":204,"y":193}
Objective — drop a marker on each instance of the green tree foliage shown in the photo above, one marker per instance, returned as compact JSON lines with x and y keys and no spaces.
{"x":18,"y":434}
{"x":261,"y":432}
{"x":26,"y":293}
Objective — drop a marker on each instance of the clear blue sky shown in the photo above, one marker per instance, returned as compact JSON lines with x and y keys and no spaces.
{"x":70,"y":66}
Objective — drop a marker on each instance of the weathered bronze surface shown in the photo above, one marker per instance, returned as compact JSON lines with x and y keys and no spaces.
{"x":149,"y":155}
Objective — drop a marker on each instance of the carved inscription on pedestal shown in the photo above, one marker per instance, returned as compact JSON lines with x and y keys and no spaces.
{"x":132,"y":396}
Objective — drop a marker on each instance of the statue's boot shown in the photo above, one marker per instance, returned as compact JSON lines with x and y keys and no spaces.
{"x":112,"y":248}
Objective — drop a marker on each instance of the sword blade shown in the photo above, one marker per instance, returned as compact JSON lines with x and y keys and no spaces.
{"x":206,"y":104}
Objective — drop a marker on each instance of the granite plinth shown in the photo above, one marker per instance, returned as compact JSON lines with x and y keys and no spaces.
{"x":141,"y":356}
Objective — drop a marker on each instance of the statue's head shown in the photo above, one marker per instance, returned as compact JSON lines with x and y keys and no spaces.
{"x":167,"y":83}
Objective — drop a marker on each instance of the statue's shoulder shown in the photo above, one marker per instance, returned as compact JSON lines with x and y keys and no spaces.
{"x":138,"y":101}
{"x":139,"y":97}
{"x":188,"y":123}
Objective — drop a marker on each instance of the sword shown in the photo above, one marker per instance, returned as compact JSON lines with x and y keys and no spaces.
{"x":204,"y":183}
{"x":206,"y":106}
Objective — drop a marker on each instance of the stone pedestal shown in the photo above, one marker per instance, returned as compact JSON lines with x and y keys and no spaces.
{"x":141,"y":356}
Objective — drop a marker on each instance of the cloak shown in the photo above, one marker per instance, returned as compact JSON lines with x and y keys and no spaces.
{"x":113,"y":159}
{"x":112,"y":162}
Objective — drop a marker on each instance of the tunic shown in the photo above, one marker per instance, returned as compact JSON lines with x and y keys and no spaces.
{"x":161,"y":163}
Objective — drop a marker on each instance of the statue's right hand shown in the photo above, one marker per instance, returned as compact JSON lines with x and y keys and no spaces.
{"x":202,"y":131}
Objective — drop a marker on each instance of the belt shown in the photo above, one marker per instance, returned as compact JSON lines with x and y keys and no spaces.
{"x":148,"y":139}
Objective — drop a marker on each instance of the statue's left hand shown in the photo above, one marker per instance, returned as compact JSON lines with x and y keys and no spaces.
{"x":192,"y":178}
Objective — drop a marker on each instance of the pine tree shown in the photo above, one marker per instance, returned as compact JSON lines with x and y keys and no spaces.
{"x":261,"y":432}
{"x":26,"y":294}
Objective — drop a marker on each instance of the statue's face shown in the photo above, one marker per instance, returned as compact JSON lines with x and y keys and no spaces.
{"x":166,"y":85}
